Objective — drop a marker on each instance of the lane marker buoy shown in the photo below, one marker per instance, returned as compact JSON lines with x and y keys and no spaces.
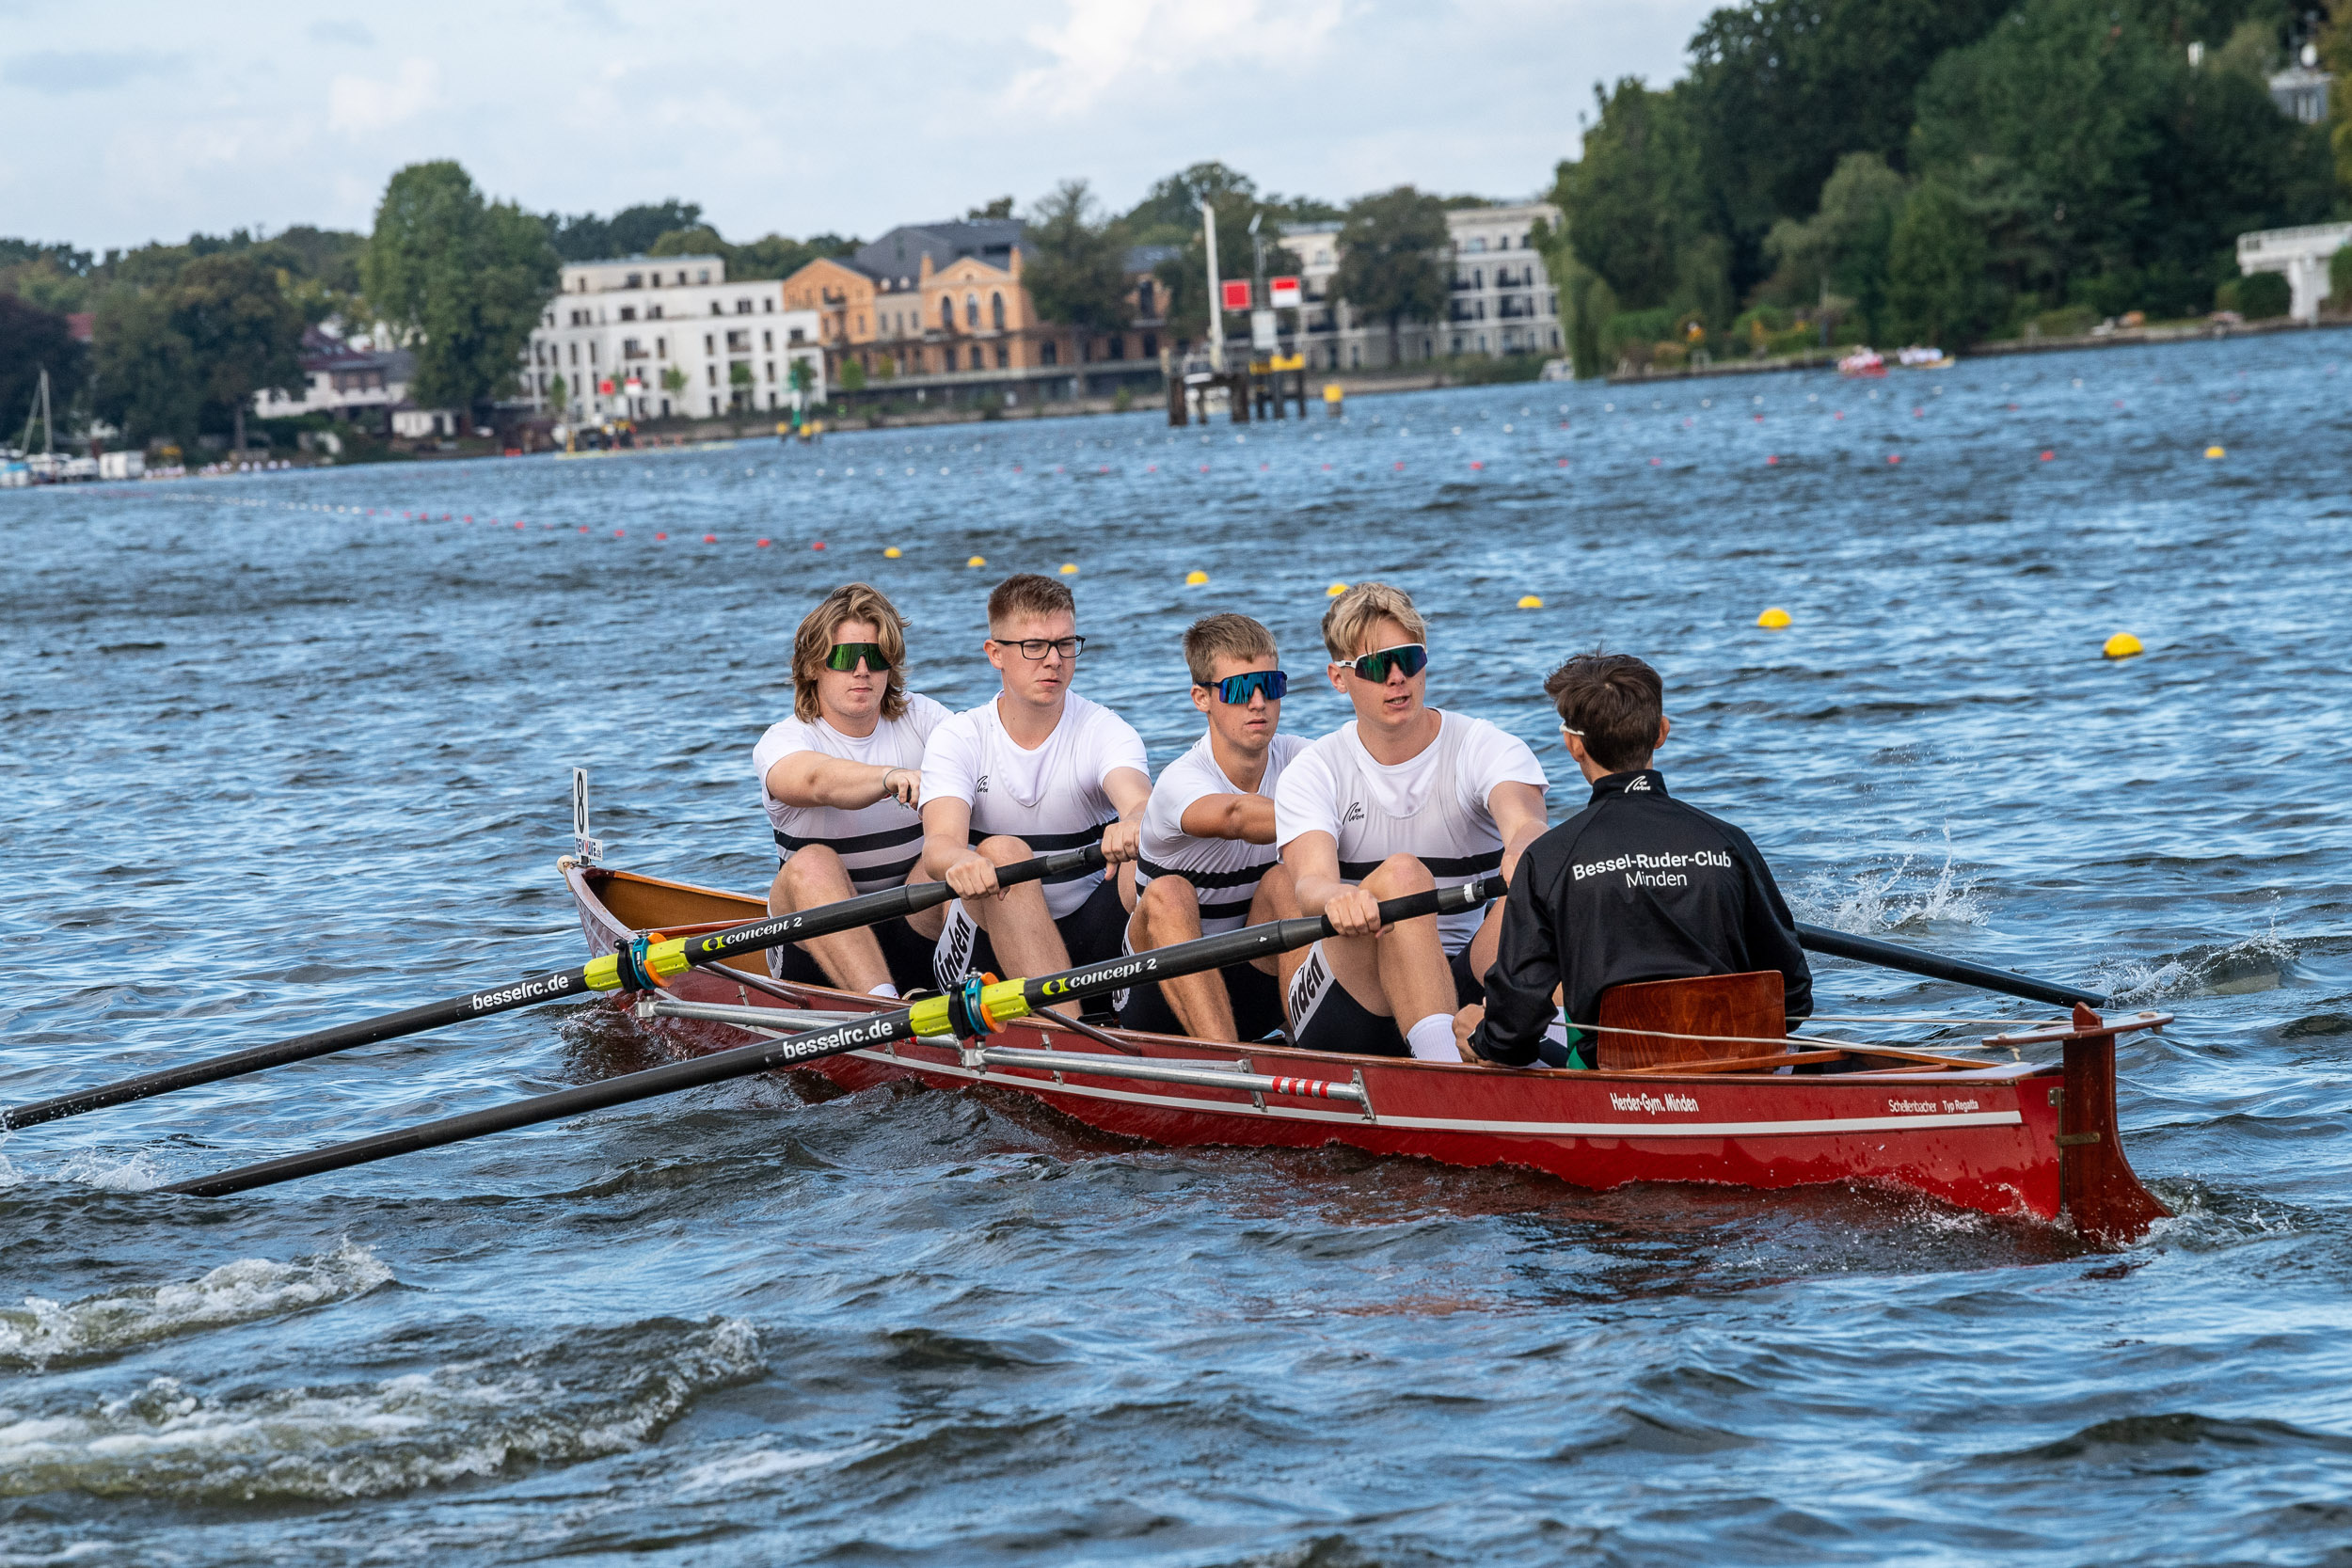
{"x":1335,"y":591}
{"x":977,"y":560}
{"x":2213,"y":452}
{"x":2049,"y":456}
{"x":893,"y":553}
{"x":2121,"y":645}
{"x":1195,"y":577}
{"x":1528,"y":601}
{"x":1070,"y":568}
{"x":1774,"y":619}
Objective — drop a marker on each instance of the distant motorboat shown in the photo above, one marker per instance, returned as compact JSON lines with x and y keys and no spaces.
{"x":1862,"y":362}
{"x":1917,"y":359}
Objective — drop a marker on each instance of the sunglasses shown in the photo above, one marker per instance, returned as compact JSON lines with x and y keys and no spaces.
{"x":1236,"y":690}
{"x":1411,"y":658}
{"x":843,"y":656}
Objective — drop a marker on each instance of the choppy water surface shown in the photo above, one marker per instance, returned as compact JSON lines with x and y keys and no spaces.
{"x":276,"y":756}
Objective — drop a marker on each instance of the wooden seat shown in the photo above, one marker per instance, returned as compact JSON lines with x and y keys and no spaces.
{"x":1750,"y":1007}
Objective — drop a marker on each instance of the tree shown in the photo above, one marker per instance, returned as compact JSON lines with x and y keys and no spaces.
{"x":739,"y":383}
{"x":31,"y":341}
{"x":1077,"y":269}
{"x":1637,"y":206}
{"x":630,"y":231}
{"x":1843,"y":246}
{"x":1000,"y":208}
{"x":462,"y":279}
{"x":560,"y":394}
{"x":1389,"y":246}
{"x":672,"y":380}
{"x":245,"y":333}
{"x":1935,"y":270}
{"x":1186,"y":273}
{"x":146,"y":379}
{"x":1169,"y":213}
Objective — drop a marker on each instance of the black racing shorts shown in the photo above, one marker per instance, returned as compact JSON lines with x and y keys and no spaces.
{"x":1095,"y":930}
{"x":906,"y":952}
{"x":1324,"y":1018}
{"x":1256,"y":998}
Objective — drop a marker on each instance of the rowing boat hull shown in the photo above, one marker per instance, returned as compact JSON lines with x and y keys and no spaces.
{"x":1985,"y":1139}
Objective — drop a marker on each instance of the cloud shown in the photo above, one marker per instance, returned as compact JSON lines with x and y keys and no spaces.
{"x":1103,"y":46}
{"x":352,"y":33}
{"x":83,"y":69}
{"x":356,"y":105}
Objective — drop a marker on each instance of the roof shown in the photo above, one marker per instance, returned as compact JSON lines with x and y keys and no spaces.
{"x":323,"y":351}
{"x":900,"y":253}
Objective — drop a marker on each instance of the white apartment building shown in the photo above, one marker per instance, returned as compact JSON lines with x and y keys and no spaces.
{"x":652,"y":336}
{"x":1500,"y":300}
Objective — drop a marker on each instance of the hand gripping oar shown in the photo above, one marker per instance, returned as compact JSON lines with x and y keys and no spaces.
{"x":1935,"y":966}
{"x":643,"y":964}
{"x":971,"y":1010}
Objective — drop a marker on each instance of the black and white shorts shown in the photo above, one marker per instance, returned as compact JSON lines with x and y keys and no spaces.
{"x":1095,"y":930}
{"x":906,"y":952}
{"x":1256,"y":998}
{"x":1324,"y":1018}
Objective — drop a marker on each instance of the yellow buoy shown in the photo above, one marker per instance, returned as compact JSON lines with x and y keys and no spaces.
{"x":1070,"y":568}
{"x":1528,"y":601}
{"x":1335,"y":591}
{"x":1775,"y":618}
{"x":1332,"y":392}
{"x":977,"y":560}
{"x":1195,"y":579}
{"x":2121,"y":645}
{"x":893,"y":553}
{"x":2210,"y":451}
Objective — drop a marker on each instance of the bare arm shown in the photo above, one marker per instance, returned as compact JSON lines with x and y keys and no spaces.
{"x":805,"y":779}
{"x":948,"y":852}
{"x":1130,"y":791}
{"x":1249,"y":817}
{"x":1314,"y":860}
{"x":1518,"y":813}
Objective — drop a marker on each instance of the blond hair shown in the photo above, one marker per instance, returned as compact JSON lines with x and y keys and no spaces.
{"x":1233,"y":636}
{"x":852,"y":601}
{"x":1353,"y":612}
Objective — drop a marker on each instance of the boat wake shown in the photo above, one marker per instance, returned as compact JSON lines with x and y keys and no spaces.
{"x":591,"y":1393}
{"x":1890,"y":898}
{"x":43,"y":1332}
{"x":112,"y":1173}
{"x":2258,"y":962}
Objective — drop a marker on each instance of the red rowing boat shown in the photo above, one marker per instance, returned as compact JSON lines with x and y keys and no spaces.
{"x":2029,"y":1138}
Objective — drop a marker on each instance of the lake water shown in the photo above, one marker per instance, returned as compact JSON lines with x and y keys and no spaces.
{"x":277,"y":754}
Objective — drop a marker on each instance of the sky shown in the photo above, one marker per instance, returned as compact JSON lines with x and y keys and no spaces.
{"x":137,"y":121}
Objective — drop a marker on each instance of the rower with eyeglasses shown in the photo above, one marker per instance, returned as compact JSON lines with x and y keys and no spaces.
{"x":1036,"y":769}
{"x":840,"y":781}
{"x":1404,"y":798}
{"x":1207,"y":861}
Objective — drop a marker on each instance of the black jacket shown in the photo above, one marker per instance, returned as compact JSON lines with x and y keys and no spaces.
{"x":1636,"y":886}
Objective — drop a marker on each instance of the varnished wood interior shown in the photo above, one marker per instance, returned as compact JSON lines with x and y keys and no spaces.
{"x":645,"y":904}
{"x":1749,"y":1007}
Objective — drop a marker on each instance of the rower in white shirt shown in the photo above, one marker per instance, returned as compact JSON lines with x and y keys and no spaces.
{"x":840,"y":780}
{"x":1207,"y":861}
{"x":1036,"y":769}
{"x":1405,"y":798}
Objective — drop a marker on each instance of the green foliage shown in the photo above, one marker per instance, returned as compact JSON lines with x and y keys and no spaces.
{"x":2264,"y":295}
{"x":560,"y":393}
{"x":2340,"y":279}
{"x":1935,"y":271}
{"x":770,"y":255}
{"x":1000,"y":208}
{"x":852,"y":377}
{"x":673,"y":379}
{"x":145,"y":378}
{"x":1841,"y":249}
{"x":1635,"y":201}
{"x":33,"y":340}
{"x":1633,"y":333}
{"x":800,"y":377}
{"x":1186,"y":273}
{"x":1389,"y":268}
{"x":630,"y":231}
{"x":245,"y":333}
{"x":1076,"y":266}
{"x":1169,"y":213}
{"x":462,"y":279}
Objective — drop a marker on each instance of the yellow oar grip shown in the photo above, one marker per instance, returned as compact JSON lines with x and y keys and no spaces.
{"x":603,"y":973}
{"x":666,"y":958}
{"x":929,"y":1016}
{"x":1006,"y":1000}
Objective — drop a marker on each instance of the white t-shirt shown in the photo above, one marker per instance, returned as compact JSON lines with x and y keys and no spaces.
{"x":1052,"y":797}
{"x":1432,"y":806}
{"x":1223,"y":872}
{"x":878,"y":843}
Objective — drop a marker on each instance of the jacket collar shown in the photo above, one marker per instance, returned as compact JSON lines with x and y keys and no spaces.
{"x":1646,"y":780}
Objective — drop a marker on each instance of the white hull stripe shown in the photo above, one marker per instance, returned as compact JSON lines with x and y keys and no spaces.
{"x":1831,"y":1126}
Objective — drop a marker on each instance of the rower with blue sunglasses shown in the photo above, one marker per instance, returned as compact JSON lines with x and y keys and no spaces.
{"x":1207,"y":860}
{"x":1404,"y":798}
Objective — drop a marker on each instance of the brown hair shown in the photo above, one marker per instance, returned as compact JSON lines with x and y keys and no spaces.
{"x":1614,"y":701}
{"x":1344,"y":623}
{"x":852,"y":601}
{"x":1235,"y":636}
{"x":1027,"y":594}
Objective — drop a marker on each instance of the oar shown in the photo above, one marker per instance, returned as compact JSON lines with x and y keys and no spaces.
{"x":971,"y":1010}
{"x":644,"y":964}
{"x":1935,"y":966}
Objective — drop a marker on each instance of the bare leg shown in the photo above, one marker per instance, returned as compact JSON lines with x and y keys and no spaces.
{"x":851,"y":960}
{"x":1170,"y":912}
{"x":1402,"y":973}
{"x":1486,"y":943}
{"x":1018,"y":926}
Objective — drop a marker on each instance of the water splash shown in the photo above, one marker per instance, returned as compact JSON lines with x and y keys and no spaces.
{"x":592,"y":1393}
{"x":1890,"y":898}
{"x":2259,"y":962}
{"x":45,"y":1331}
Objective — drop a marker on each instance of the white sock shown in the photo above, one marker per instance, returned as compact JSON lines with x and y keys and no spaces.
{"x":885,"y":989}
{"x":1432,"y":1038}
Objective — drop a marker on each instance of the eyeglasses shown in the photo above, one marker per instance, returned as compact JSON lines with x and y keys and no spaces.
{"x":1036,"y":647}
{"x":1236,"y":690}
{"x":1411,"y":658}
{"x":844,"y":655}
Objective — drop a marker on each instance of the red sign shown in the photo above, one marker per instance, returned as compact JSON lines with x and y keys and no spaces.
{"x":1237,"y":296}
{"x":1282,"y":293}
{"x":605,"y":387}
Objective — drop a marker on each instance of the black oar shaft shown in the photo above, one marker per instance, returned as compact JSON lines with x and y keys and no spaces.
{"x":849,"y":914}
{"x":1191,"y":958}
{"x":1935,"y":966}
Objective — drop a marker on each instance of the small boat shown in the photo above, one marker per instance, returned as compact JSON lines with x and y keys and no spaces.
{"x":1917,"y":359}
{"x":2027,"y":1138}
{"x":1862,"y":362}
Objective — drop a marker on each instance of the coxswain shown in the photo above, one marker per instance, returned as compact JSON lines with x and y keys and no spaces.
{"x":1036,"y":769}
{"x":1207,"y":861}
{"x":1405,"y":798}
{"x":841,"y":779}
{"x":1636,"y":886}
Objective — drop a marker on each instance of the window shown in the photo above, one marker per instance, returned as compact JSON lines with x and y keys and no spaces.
{"x":628,"y":313}
{"x":742,"y":307}
{"x":768,"y":340}
{"x":681,"y":282}
{"x":1003,"y":356}
{"x":1118,"y":347}
{"x":976,"y":356}
{"x":575,"y":354}
{"x":714,"y":308}
{"x":799,"y":336}
{"x":1151,"y":345}
{"x":972,"y":312}
{"x":997,"y":311}
{"x":1049,"y":353}
{"x":662,"y":348}
{"x":740,"y":343}
{"x":702,"y":277}
{"x":768,"y":303}
{"x":946,"y":314}
{"x":711,"y":371}
{"x":714,"y":403}
{"x":861,"y":324}
{"x":772,"y":369}
{"x":636,"y":280}
{"x":1143,"y":299}
{"x":1475,"y":245}
{"x":592,"y":351}
{"x":653,"y":312}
